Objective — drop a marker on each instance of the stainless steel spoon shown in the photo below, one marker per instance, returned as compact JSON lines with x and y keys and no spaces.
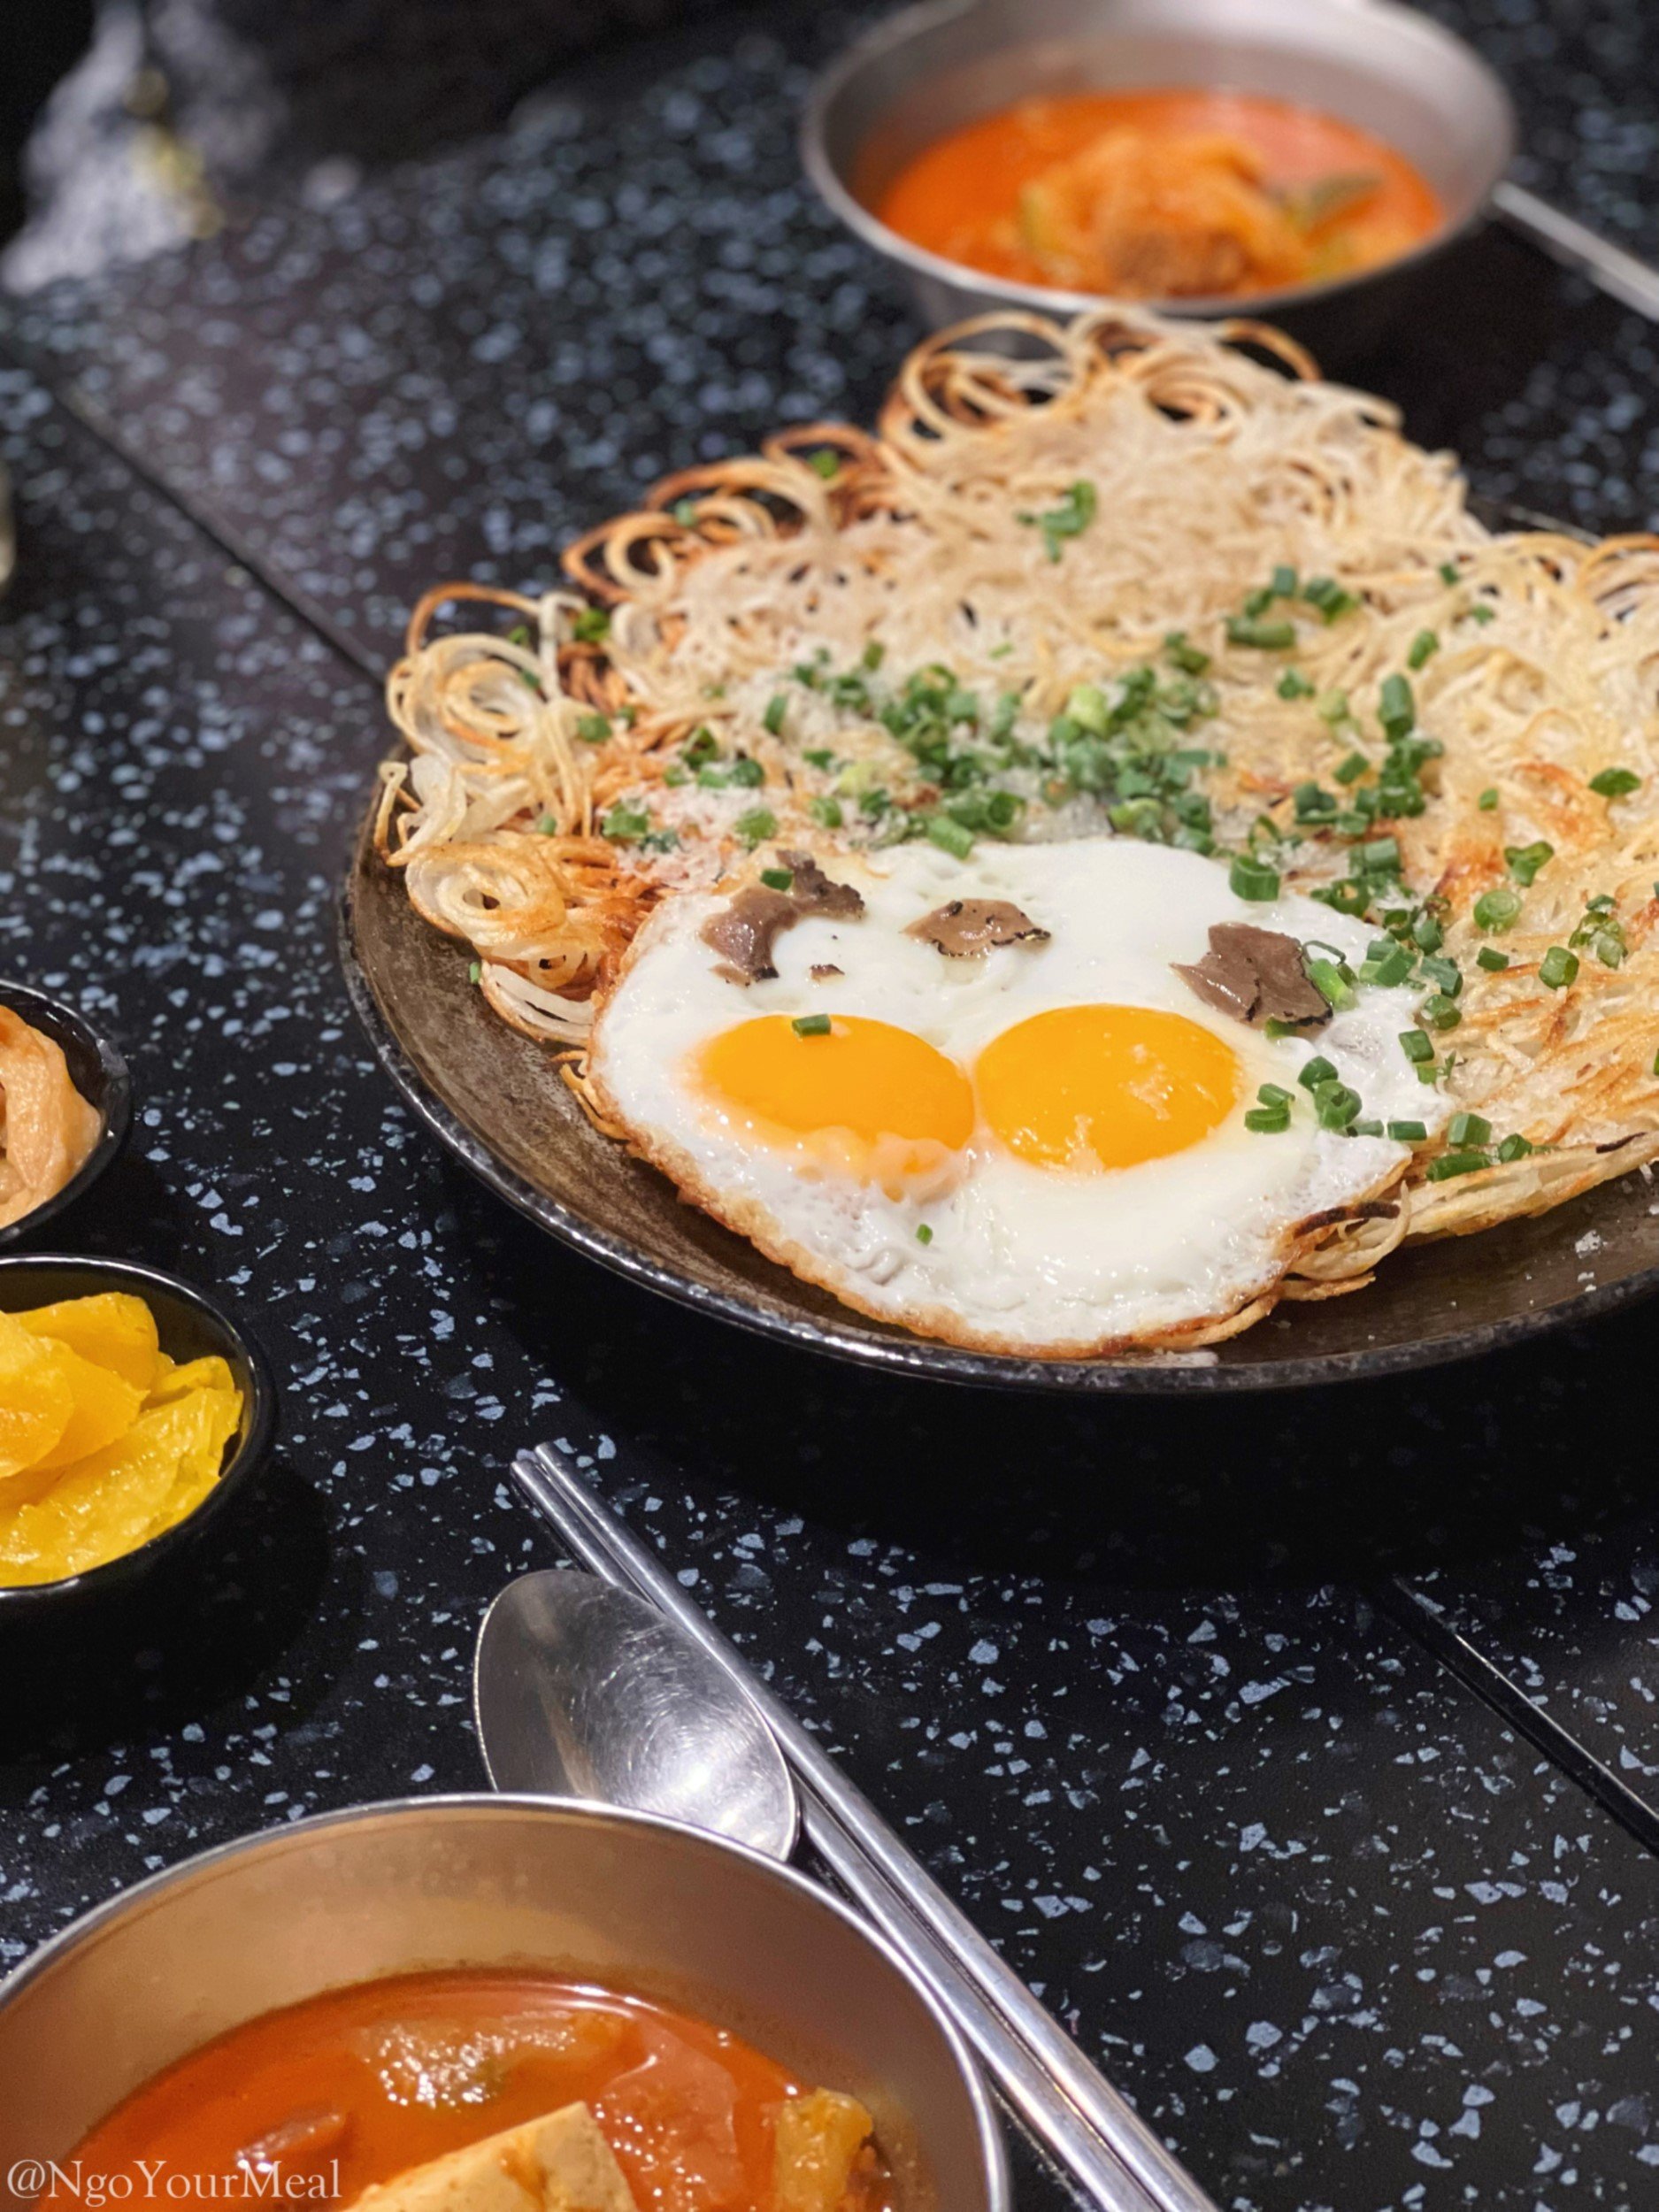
{"x":581,"y":1690}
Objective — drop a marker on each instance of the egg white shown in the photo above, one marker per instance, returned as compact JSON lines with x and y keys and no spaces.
{"x":1020,"y":1258}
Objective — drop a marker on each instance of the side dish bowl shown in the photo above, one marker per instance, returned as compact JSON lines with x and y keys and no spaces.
{"x":931,"y":68}
{"x":190,"y":1326}
{"x":99,"y":1073}
{"x":626,"y":1899}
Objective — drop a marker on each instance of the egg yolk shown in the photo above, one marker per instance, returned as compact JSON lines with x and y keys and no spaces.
{"x":864,"y":1097}
{"x":1087,"y":1088}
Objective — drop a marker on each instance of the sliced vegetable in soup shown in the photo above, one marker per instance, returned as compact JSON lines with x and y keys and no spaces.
{"x":501,"y":2093}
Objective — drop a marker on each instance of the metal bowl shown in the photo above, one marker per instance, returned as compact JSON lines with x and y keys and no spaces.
{"x":931,"y":68}
{"x":622,"y":1899}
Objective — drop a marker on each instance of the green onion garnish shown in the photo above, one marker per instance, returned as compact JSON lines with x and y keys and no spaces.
{"x":1283,"y":584}
{"x":1497,"y":909}
{"x":811,"y":1024}
{"x":1333,"y":707}
{"x":777,"y":707}
{"x":1252,"y":879}
{"x":1614,"y":783}
{"x":760,"y":822}
{"x":825,"y":462}
{"x":623,"y":824}
{"x":778,"y":879}
{"x":1490,"y":959}
{"x":1514,"y":1147}
{"x":1186,"y":658}
{"x":1415,"y":1046}
{"x":1293,"y":684}
{"x":1558,"y":968}
{"x":1353,"y":768}
{"x":1275,"y":1094}
{"x":1265,"y":637}
{"x":1423,"y":647}
{"x":1526,"y":860}
{"x":591,"y":624}
{"x":1440,"y":1011}
{"x":1446,"y":974}
{"x":747,"y":774}
{"x":1072,"y":516}
{"x":1448,"y":572}
{"x":1409,"y":1132}
{"x":1268,"y":1121}
{"x":1336,"y":1105}
{"x":1426,"y":934}
{"x":950,"y":837}
{"x":1316,"y":1070}
{"x":826,"y":812}
{"x":1488,"y":799}
{"x":593,"y":729}
{"x":474,"y":970}
{"x":1466,"y":1129}
{"x":1450,"y":1164}
{"x":1396,"y":710}
{"x":1328,"y":979}
{"x":923,"y":1235}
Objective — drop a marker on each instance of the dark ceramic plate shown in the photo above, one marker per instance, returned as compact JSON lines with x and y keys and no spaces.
{"x":97,"y":1071}
{"x":495,"y":1099}
{"x":190,"y":1326}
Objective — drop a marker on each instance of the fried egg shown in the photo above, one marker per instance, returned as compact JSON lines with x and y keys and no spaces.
{"x":1039,"y":1149}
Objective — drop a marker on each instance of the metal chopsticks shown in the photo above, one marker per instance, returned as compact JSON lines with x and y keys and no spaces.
{"x":1089,"y":2129}
{"x":1564,"y":239}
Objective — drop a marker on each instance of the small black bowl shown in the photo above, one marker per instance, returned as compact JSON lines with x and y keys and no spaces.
{"x":97,"y":1071}
{"x":190,"y":1327}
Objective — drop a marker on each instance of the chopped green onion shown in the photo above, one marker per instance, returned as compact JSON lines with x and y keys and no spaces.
{"x":811,"y":1024}
{"x":1396,"y":710}
{"x":760,"y":822}
{"x":1313,"y":805}
{"x":1379,"y":856}
{"x":593,"y":729}
{"x":1440,"y":1011}
{"x":1364,"y":1129}
{"x":1352,"y":769}
{"x":549,"y":828}
{"x":1333,"y":707}
{"x":1072,"y":516}
{"x":474,"y":970}
{"x":923,"y":1235}
{"x":1446,"y":974}
{"x":1488,"y":799}
{"x":777,"y":707}
{"x":1492,"y":960}
{"x":950,"y":837}
{"x":1336,"y":1105}
{"x":1450,"y":1164}
{"x":1268,"y":1121}
{"x":700,"y":745}
{"x":747,"y":774}
{"x":685,"y":513}
{"x":1558,"y":968}
{"x":1423,"y":646}
{"x":1481,"y":612}
{"x":1415,"y":1046}
{"x":1328,"y":979}
{"x":1448,"y":572}
{"x":1293,"y":684}
{"x":1186,"y":658}
{"x":1387,"y":969}
{"x":1497,"y":909}
{"x":1514,"y":1147}
{"x":1275,"y":1094}
{"x":1426,"y":934}
{"x":874,"y":654}
{"x":819,"y":756}
{"x":623,"y":824}
{"x":1614,"y":783}
{"x":778,"y":879}
{"x":1467,"y":1129}
{"x":826,"y":812}
{"x":1409,"y":1132}
{"x":1316,"y":1070}
{"x":825,"y":462}
{"x":1283,"y":584}
{"x":1325,"y":593}
{"x":1251,"y":879}
{"x":1525,"y":861}
{"x":1265,"y":637}
{"x":591,"y":624}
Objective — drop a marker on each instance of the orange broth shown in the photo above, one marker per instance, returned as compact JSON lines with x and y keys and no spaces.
{"x":967,"y":197}
{"x":358,"y":2084}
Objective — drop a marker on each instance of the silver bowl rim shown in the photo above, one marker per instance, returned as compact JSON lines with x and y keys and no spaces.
{"x":92,"y":1923}
{"x":898,"y":30}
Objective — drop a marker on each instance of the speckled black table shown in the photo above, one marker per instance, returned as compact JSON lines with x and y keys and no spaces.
{"x":1304,"y":1753}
